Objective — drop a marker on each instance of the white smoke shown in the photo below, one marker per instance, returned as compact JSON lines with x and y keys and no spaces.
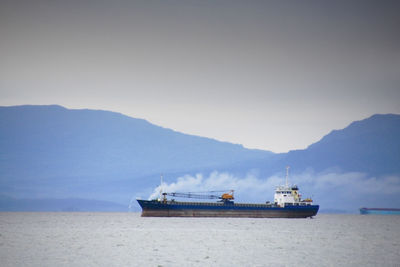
{"x":347,"y":191}
{"x":350,"y":191}
{"x":246,"y":187}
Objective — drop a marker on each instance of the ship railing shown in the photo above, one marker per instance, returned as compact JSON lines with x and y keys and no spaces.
{"x":221,"y":204}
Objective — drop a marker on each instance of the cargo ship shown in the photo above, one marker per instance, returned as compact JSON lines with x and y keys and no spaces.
{"x":287,"y":204}
{"x":379,"y":211}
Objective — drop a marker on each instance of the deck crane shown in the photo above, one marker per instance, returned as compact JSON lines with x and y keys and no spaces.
{"x":202,"y":195}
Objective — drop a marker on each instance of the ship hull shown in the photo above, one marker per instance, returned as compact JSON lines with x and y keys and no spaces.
{"x":379,"y":211}
{"x":192,"y":209}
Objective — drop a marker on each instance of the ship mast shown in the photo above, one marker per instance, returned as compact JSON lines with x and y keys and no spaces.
{"x":287,"y":175}
{"x":161,"y":186}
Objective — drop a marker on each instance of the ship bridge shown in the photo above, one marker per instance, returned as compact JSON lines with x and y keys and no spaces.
{"x":286,"y":195}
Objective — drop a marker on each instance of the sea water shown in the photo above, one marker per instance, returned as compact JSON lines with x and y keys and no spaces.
{"x":126,"y":239}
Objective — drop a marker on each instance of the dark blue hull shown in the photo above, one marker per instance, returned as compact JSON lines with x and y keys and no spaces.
{"x":154,"y":208}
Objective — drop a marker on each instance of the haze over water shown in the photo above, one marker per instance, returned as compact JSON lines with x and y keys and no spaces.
{"x":126,"y":239}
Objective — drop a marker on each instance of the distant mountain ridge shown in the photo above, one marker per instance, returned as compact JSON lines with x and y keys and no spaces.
{"x":50,"y":152}
{"x":52,"y":130}
{"x":371,"y":146}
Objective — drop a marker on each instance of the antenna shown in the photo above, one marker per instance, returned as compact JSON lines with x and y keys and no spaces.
{"x":287,"y":175}
{"x":161,"y":184}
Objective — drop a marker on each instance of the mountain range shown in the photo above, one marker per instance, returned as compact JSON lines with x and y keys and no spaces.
{"x":78,"y":159}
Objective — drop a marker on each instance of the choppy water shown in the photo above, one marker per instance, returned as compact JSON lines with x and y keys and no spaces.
{"x":126,"y":239}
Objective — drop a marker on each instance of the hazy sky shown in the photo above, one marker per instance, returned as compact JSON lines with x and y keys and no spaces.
{"x":275,"y":75}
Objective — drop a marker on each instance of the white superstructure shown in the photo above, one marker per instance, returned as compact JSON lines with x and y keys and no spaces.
{"x":286,"y":195}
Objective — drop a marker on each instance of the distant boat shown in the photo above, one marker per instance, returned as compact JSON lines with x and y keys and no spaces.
{"x":379,"y":211}
{"x":287,"y":204}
